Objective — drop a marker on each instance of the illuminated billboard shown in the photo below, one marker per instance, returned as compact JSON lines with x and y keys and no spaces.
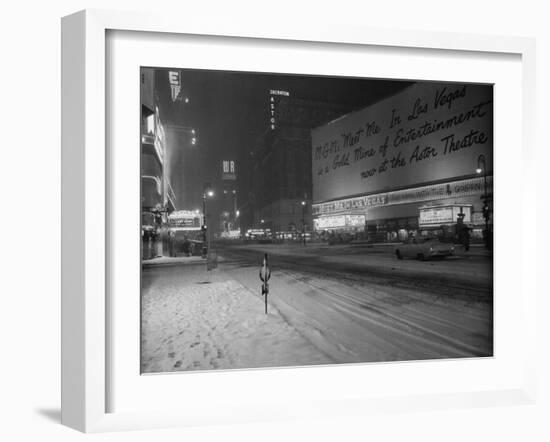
{"x":185,"y":219}
{"x":341,"y":221}
{"x":429,"y":132}
{"x":443,"y":214}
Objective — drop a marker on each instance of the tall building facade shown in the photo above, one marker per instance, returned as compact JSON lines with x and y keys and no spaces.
{"x":280,"y":164}
{"x":229,"y":225}
{"x":157,"y":196}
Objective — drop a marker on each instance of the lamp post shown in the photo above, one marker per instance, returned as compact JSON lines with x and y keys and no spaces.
{"x":235,"y":211}
{"x":207,"y":192}
{"x":482,"y":167}
{"x":304,"y":222}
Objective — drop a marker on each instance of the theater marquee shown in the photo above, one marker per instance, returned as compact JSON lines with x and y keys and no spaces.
{"x":455,"y":189}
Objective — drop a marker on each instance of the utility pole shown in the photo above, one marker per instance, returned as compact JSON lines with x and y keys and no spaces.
{"x":304,"y":222}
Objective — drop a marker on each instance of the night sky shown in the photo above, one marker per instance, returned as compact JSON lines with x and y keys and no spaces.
{"x":230,"y":111}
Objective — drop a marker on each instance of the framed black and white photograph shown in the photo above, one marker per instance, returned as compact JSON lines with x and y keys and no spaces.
{"x":281,"y":222}
{"x":295,"y":220}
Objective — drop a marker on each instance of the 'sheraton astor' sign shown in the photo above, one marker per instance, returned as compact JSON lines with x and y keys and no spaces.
{"x":428,"y":132}
{"x":272,"y":102}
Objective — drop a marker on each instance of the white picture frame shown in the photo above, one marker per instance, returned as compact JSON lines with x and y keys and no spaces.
{"x":85,"y":201}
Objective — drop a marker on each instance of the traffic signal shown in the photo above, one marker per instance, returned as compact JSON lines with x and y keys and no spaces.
{"x":486,"y":211}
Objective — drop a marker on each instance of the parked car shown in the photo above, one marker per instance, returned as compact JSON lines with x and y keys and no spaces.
{"x":422,"y":248}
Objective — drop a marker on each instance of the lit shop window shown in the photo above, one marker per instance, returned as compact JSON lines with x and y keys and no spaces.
{"x":150,"y":124}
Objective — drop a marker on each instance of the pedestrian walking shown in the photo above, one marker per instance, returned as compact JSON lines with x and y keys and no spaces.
{"x":464,"y":237}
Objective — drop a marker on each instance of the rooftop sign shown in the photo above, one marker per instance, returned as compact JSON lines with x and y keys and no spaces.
{"x":273,"y":101}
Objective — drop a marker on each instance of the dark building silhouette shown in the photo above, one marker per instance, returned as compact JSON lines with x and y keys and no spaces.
{"x":280,"y":164}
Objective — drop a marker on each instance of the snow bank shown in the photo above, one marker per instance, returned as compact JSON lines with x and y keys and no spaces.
{"x":189,"y":323}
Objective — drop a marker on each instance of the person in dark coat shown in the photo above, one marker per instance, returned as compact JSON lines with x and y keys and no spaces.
{"x":186,"y":246}
{"x":464,"y":237}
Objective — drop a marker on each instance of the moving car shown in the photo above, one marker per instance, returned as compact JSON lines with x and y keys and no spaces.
{"x":424,"y":247}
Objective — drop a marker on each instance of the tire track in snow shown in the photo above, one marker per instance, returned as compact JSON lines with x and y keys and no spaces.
{"x":376,"y":313}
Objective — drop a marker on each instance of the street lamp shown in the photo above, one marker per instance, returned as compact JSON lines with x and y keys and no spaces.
{"x":207,"y":192}
{"x":187,"y":131}
{"x":235,"y":211}
{"x":304,"y":222}
{"x":482,"y":167}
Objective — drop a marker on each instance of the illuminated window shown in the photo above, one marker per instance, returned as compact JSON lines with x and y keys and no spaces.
{"x":150,"y":123}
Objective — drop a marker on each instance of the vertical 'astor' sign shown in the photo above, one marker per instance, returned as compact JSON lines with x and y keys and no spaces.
{"x":273,"y":101}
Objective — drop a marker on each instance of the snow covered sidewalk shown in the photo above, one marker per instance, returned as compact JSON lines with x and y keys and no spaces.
{"x":194,"y":321}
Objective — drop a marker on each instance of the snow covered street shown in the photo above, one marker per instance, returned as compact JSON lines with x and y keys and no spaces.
{"x":198,"y":320}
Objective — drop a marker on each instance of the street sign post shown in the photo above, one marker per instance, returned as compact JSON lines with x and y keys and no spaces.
{"x":265,"y":274}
